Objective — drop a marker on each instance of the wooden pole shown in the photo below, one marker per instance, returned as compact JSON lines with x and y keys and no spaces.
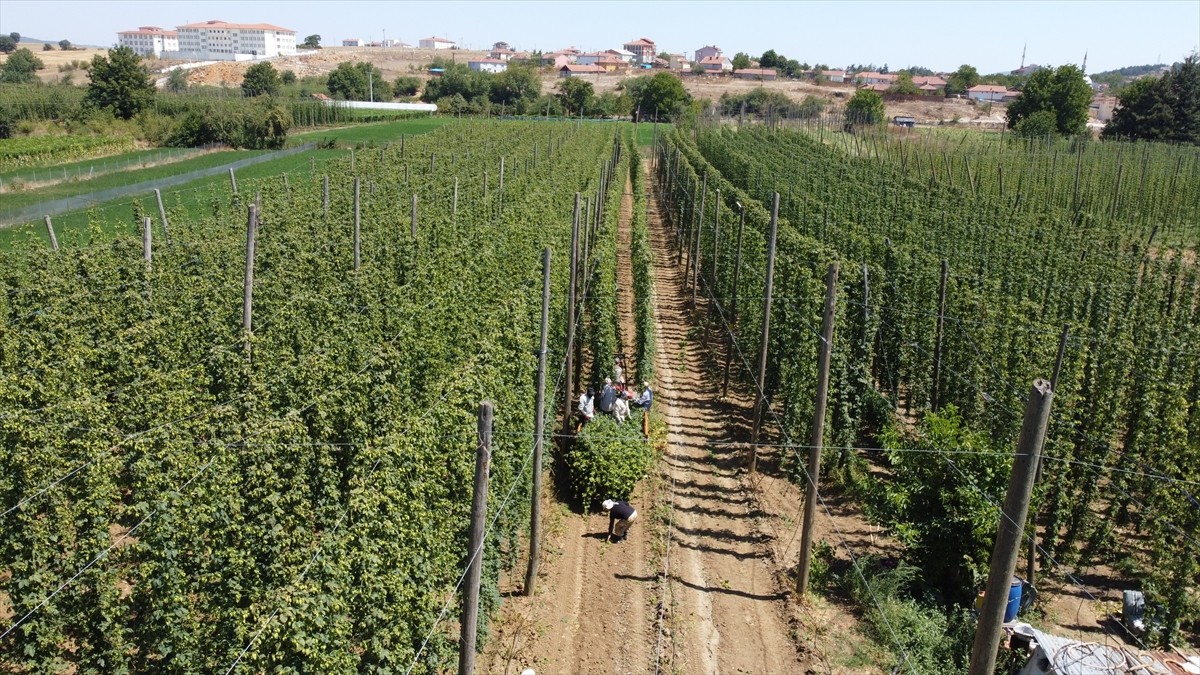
{"x":539,"y":425}
{"x":817,"y":440}
{"x":50,"y":231}
{"x":1031,"y":559}
{"x":325,"y":209}
{"x":162,"y":214}
{"x":357,"y":229}
{"x":1012,"y":524}
{"x":694,"y":257}
{"x":146,"y":235}
{"x":766,"y":336}
{"x":716,"y":240}
{"x":412,"y":226}
{"x":470,"y":612}
{"x":935,"y":397}
{"x":454,"y":209}
{"x":500,"y":193}
{"x":568,"y":398}
{"x":737,"y":273}
{"x":233,"y":180}
{"x":248,"y":292}
{"x":432,"y":162}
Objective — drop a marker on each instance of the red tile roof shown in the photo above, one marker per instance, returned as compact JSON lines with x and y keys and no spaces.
{"x":641,"y":42}
{"x":216,"y":23}
{"x":149,"y":30}
{"x":988,"y":88}
{"x":755,"y":72}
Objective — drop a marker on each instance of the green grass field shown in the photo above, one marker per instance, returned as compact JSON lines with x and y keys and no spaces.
{"x":377,"y":132}
{"x":20,"y":199}
{"x":645,"y":133}
{"x":121,"y":162}
{"x":116,"y":217}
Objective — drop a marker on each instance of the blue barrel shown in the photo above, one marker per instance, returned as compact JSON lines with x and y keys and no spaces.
{"x":1014,"y":600}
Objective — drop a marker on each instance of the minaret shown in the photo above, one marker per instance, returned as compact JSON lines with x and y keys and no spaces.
{"x":1023,"y":54}
{"x":1084,"y":66}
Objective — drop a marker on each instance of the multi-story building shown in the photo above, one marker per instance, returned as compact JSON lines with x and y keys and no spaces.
{"x":642,"y":49}
{"x":437,"y":43}
{"x":223,"y":41}
{"x":149,"y":40}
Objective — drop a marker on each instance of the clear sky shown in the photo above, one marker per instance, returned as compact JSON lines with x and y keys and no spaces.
{"x":938,"y":35}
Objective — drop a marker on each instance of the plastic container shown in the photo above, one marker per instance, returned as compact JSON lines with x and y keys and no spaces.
{"x":1014,"y":600}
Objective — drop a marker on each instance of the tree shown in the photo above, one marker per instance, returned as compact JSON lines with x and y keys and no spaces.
{"x":661,"y":94}
{"x":20,"y":68}
{"x":119,"y":83}
{"x":1040,"y":124}
{"x":904,"y":84}
{"x":575,"y":95}
{"x":406,"y":85}
{"x":865,"y":107}
{"x":962,"y":79}
{"x":47,"y":47}
{"x":358,"y":82}
{"x":177,"y":80}
{"x":288,"y":77}
{"x":769,"y":59}
{"x":7,"y":44}
{"x":16,"y":37}
{"x":1161,"y":109}
{"x":741,"y":60}
{"x":64,"y":45}
{"x":514,"y":85}
{"x":1062,"y":91}
{"x":261,"y":78}
{"x":311,"y":42}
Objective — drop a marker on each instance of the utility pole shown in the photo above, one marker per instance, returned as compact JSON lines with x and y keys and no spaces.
{"x":1012,"y":524}
{"x":817,"y":440}
{"x":570,"y":351}
{"x":470,"y":613}
{"x":766,"y":336}
{"x":539,"y":423}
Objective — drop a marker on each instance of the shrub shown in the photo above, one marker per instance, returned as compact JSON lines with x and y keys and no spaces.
{"x":608,"y":459}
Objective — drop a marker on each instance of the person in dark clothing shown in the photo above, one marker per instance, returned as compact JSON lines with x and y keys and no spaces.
{"x":620,"y":516}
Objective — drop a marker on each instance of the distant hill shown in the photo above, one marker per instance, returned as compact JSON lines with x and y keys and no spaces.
{"x":1130,"y":71}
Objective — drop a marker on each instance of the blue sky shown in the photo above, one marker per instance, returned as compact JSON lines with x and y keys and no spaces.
{"x":938,"y":35}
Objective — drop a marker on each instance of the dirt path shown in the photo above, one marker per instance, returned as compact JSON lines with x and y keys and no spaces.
{"x":728,"y":614}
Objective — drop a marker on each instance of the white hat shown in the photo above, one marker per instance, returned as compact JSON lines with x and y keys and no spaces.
{"x":608,"y":504}
{"x":607,"y":381}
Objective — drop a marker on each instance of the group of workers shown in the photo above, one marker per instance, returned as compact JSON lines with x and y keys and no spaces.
{"x":615,"y":398}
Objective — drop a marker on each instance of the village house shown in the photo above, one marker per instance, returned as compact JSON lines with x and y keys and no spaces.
{"x":642,"y":49}
{"x":706,"y":52}
{"x":501,"y":53}
{"x":987,"y":92}
{"x":872,"y":77}
{"x":621,"y":55}
{"x":678,"y":62}
{"x":437,"y":43}
{"x":578,"y":70}
{"x":835,"y":76}
{"x":715,"y":64}
{"x":488,"y":65}
{"x":558,"y":59}
{"x":354,"y":42}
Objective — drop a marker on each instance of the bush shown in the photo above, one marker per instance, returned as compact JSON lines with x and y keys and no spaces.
{"x":608,"y":459}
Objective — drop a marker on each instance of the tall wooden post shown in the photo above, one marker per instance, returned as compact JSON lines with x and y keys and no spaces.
{"x":500,"y":193}
{"x":357,"y":229}
{"x":1031,"y":558}
{"x":817,"y":440}
{"x":325,"y":208}
{"x":761,"y":383}
{"x":470,"y":612}
{"x":1012,"y":524}
{"x":454,"y":209}
{"x":539,"y":425}
{"x":162,"y":214}
{"x":570,"y":346}
{"x":50,"y":231}
{"x":694,"y":257}
{"x":233,"y":180}
{"x":935,"y":394}
{"x":716,"y":240}
{"x":248,"y":291}
{"x":733,"y":316}
{"x":146,"y":236}
{"x":412,"y":226}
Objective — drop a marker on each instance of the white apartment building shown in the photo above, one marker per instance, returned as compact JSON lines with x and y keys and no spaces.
{"x":223,"y":41}
{"x":149,"y":40}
